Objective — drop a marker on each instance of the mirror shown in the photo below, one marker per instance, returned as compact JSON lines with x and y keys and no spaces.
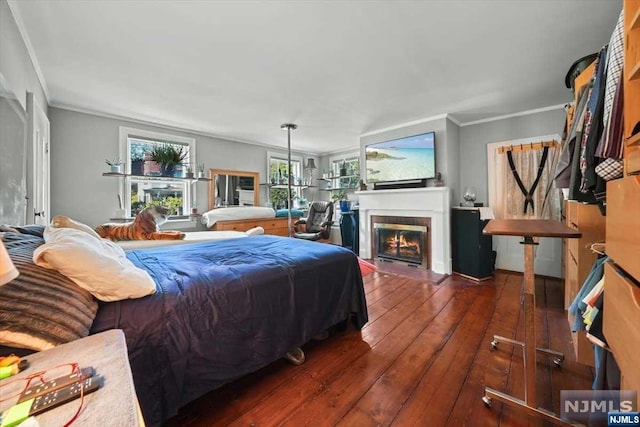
{"x":233,"y":188}
{"x":13,"y":163}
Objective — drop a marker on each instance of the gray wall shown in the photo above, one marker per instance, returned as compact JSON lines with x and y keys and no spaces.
{"x":15,"y":64}
{"x":447,"y":147}
{"x":81,"y":142}
{"x":474,"y":140}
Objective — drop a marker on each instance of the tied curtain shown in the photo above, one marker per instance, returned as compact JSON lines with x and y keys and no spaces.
{"x":545,"y":198}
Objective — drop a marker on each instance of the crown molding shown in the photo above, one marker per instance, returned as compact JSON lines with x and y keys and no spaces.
{"x":166,"y":125}
{"x":454,"y":120}
{"x":17,"y":17}
{"x":347,"y":150}
{"x":402,"y":125}
{"x":508,"y":116}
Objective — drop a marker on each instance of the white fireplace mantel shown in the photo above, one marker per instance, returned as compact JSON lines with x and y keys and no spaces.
{"x":427,"y":202}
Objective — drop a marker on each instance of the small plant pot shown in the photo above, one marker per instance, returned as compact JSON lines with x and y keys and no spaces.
{"x":116,"y":168}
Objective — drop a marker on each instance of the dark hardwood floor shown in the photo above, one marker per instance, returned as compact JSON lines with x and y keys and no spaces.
{"x":423,"y":359}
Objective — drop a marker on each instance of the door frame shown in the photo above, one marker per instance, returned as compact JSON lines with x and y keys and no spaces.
{"x":510,"y":256}
{"x":38,"y":151}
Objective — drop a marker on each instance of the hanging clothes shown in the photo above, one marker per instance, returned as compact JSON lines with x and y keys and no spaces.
{"x":563,"y":169}
{"x":613,"y":80}
{"x":611,"y":143}
{"x":578,"y":307}
{"x":589,"y":176}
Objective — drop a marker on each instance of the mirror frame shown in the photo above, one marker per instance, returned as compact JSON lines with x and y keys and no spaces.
{"x":212,"y":184}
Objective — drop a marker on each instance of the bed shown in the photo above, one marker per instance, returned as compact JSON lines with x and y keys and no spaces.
{"x":226,"y":308}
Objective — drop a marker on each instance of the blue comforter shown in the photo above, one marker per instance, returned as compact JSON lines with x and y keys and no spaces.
{"x":224,"y":309}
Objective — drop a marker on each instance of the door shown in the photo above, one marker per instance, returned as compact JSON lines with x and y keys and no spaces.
{"x":38,"y":206}
{"x":509,"y":251}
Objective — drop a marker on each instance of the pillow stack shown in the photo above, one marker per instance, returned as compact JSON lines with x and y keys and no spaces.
{"x":41,"y":308}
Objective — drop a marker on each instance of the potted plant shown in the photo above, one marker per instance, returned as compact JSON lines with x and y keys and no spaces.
{"x":341,"y":197}
{"x":168,"y":156}
{"x":279,"y":198}
{"x":115,"y":164}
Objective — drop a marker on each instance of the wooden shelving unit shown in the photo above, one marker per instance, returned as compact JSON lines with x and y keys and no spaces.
{"x":622,"y":274}
{"x":631,"y":86}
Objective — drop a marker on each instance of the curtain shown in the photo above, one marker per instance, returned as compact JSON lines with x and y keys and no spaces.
{"x":511,"y":201}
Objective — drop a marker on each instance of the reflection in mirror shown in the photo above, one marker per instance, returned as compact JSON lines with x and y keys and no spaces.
{"x":233,"y":188}
{"x":13,"y":162}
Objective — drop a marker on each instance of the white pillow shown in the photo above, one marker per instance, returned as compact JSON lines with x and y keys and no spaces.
{"x":97,"y":265}
{"x":61,"y":221}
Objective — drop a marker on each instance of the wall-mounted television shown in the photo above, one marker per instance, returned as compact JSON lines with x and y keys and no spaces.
{"x":411,"y":158}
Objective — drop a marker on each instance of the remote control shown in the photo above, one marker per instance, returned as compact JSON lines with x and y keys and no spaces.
{"x":63,"y":395}
{"x":53,"y":398}
{"x":54,"y":384}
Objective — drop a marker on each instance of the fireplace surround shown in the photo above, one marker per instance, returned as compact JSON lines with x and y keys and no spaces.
{"x":428,"y":202}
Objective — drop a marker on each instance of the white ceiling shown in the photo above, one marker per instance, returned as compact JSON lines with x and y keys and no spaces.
{"x":238,"y":69}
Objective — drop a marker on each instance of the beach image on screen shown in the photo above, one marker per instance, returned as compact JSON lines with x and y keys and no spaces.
{"x":411,"y":157}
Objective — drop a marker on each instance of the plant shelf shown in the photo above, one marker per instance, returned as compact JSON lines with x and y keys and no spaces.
{"x":155,"y":178}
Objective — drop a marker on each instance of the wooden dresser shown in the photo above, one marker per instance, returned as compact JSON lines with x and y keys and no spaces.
{"x":578,"y":260}
{"x":622,"y":276}
{"x":275,"y":226}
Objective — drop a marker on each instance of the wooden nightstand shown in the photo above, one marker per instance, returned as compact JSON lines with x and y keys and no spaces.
{"x":114,"y":404}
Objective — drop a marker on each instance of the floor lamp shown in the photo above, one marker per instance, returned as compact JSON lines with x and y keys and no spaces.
{"x":288,"y":127}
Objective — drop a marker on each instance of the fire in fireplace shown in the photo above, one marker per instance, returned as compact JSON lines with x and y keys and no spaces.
{"x":400,"y":242}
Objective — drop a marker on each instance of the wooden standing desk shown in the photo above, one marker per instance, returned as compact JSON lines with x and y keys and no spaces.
{"x":528,"y":229}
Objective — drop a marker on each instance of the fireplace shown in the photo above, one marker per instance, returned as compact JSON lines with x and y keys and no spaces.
{"x":400,"y":242}
{"x":404,"y":239}
{"x":429,"y":204}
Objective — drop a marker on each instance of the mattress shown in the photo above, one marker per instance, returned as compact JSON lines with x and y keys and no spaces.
{"x":191,"y":237}
{"x":235,"y":213}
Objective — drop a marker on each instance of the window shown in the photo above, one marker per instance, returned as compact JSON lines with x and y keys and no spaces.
{"x":145,"y":186}
{"x":278,"y":173}
{"x":347,"y":166}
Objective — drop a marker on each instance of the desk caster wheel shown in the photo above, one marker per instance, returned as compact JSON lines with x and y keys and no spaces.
{"x":494,"y":344}
{"x":557,"y":362}
{"x":487,"y":401}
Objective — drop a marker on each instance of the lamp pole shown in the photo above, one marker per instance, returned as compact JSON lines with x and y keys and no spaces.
{"x":288,"y":127}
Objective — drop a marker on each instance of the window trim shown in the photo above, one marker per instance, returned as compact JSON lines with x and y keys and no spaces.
{"x":125,"y":192}
{"x":345,"y":156}
{"x":280,"y":155}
